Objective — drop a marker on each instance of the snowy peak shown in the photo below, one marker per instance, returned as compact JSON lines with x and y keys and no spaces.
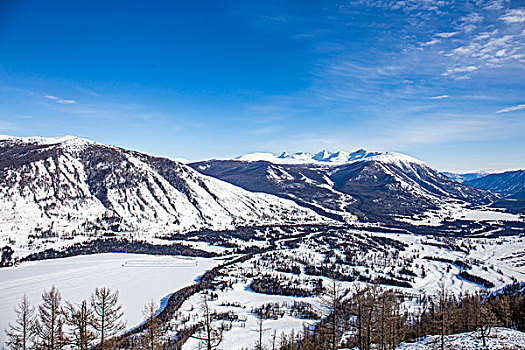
{"x":67,"y":139}
{"x":326,"y":157}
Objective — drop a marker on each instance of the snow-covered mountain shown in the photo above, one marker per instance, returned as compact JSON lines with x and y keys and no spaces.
{"x":321,"y":158}
{"x":508,"y":184}
{"x":68,"y":186}
{"x":371,"y":185}
{"x":463,"y":177}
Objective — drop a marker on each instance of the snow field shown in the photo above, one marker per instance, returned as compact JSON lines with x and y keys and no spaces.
{"x":138,"y":278}
{"x":500,"y":338}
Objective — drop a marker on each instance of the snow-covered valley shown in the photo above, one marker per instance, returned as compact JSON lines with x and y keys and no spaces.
{"x":283,"y":228}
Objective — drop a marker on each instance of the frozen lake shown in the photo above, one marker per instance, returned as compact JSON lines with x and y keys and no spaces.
{"x":137,"y":277}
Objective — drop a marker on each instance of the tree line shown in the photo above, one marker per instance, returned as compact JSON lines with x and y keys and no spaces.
{"x":57,"y":324}
{"x":375,"y":318}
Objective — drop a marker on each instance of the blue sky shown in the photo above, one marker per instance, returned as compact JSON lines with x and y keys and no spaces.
{"x":441,"y":80}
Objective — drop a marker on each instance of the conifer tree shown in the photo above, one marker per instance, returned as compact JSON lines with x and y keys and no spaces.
{"x":20,"y":334}
{"x":80,"y":319}
{"x":107,"y":319}
{"x":49,"y":325}
{"x":209,"y":335}
{"x":151,"y":338}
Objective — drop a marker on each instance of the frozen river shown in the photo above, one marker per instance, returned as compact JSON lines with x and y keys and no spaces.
{"x":138,"y":278}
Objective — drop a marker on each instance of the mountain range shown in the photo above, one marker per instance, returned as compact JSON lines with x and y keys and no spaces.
{"x":63,"y":188}
{"x":374,"y":186}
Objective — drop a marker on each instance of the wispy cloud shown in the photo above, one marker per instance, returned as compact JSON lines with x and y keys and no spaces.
{"x":431,"y":42}
{"x":514,"y":16}
{"x":511,"y":109}
{"x":60,"y":100}
{"x":446,"y":35}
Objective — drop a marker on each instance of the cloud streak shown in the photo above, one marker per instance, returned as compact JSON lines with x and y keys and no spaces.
{"x":511,"y":109}
{"x":60,"y":100}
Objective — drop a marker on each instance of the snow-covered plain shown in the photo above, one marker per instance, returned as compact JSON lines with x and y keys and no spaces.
{"x":497,"y":260}
{"x":459,"y":211}
{"x":138,"y":278}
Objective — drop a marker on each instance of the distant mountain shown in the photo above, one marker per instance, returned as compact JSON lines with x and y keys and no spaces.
{"x":462,"y":177}
{"x":370,"y":185}
{"x":323,"y":157}
{"x":63,"y":187}
{"x":508,"y":184}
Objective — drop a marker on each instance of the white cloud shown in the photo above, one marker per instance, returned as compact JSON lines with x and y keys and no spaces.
{"x":440,"y":97}
{"x":446,"y":35}
{"x":59,"y":100}
{"x":514,"y":16}
{"x":466,"y":69}
{"x":431,"y":42}
{"x":511,"y":109}
{"x":469,"y":22}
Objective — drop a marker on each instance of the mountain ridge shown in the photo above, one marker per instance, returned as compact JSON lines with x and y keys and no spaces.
{"x":66,"y":187}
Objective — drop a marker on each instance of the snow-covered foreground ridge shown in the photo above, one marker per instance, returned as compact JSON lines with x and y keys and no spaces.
{"x":500,"y":338}
{"x":68,"y":186}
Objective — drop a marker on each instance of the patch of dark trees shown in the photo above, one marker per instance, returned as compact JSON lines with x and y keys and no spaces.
{"x":268,"y":284}
{"x":7,"y":256}
{"x":461,"y":264}
{"x":476,"y":279}
{"x":115,"y":245}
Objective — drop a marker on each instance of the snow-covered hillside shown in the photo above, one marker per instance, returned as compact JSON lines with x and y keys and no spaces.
{"x":374,"y":186}
{"x":500,"y":338}
{"x":64,"y":187}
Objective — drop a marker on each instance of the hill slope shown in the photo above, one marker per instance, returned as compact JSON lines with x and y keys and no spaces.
{"x":69,"y":186}
{"x":371,"y":185}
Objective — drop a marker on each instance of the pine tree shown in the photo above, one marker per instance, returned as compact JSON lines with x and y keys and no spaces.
{"x":49,"y":325}
{"x":107,"y":319}
{"x":20,"y":335}
{"x":151,"y":339}
{"x":80,"y":319}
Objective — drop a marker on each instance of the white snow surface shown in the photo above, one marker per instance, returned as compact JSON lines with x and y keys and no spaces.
{"x":328,"y":158}
{"x":138,"y":278}
{"x":499,"y":338}
{"x":459,"y":211}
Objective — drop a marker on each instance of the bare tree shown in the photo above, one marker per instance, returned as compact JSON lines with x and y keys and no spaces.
{"x":487,"y":319}
{"x":443,"y":299}
{"x":153,"y":332}
{"x":107,"y":319}
{"x":331,"y":303}
{"x":260,"y":329}
{"x":209,"y":334}
{"x":80,"y":319}
{"x":49,"y":325}
{"x":20,"y":335}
